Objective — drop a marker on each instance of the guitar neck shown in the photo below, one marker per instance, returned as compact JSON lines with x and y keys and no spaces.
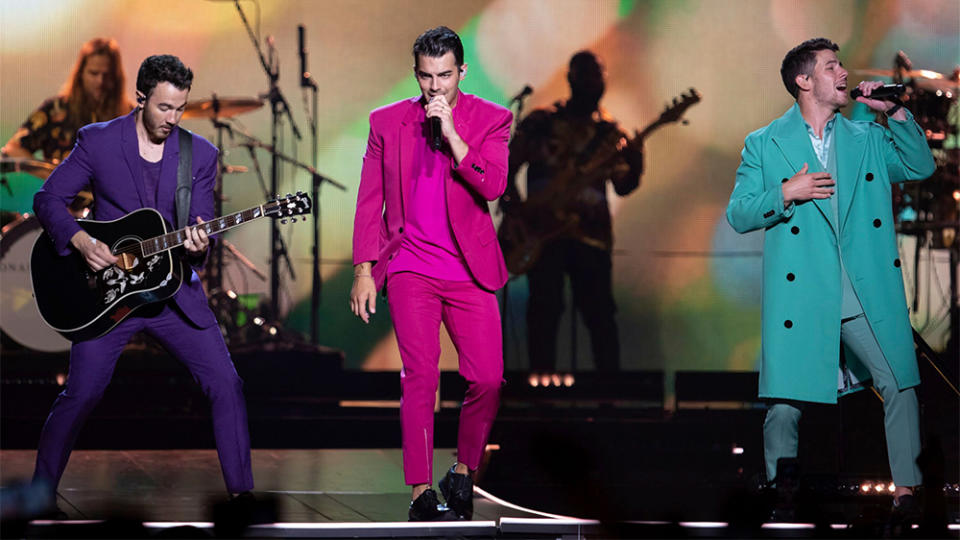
{"x":176,"y":238}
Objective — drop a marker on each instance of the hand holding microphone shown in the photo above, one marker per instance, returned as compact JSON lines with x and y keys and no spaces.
{"x":441,"y":121}
{"x":880,"y":97}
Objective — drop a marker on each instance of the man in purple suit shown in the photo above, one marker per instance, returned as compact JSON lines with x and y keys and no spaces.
{"x":131,"y":162}
{"x":423,"y":230}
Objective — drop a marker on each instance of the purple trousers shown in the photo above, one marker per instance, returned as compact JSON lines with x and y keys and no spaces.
{"x":417,"y":306}
{"x":91,"y":367}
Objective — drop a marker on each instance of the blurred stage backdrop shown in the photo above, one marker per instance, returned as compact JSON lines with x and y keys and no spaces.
{"x":686,"y":284}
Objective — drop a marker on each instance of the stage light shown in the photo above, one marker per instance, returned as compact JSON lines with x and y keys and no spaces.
{"x":737,"y":450}
{"x":259,"y":321}
{"x":231,"y":294}
{"x":866,"y":487}
{"x":491,"y":448}
{"x":533,"y":380}
{"x":544,"y":380}
{"x":555,"y":379}
{"x":892,"y":487}
{"x":272,"y":330}
{"x":879,"y":487}
{"x":61,"y":379}
{"x":956,"y":194}
{"x":568,"y":380}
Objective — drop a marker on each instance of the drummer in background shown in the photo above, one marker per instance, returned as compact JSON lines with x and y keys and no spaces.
{"x":94,"y":92}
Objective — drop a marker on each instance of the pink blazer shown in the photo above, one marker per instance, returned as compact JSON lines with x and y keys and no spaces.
{"x":386,"y":179}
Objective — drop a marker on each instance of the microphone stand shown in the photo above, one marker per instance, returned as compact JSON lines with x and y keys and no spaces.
{"x":307,"y":81}
{"x":278,"y":105}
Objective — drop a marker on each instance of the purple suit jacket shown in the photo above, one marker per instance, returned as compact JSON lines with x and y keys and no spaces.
{"x":387,"y":177}
{"x":107,"y":157}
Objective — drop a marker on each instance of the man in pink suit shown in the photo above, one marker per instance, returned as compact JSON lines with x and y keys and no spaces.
{"x":423,"y":232}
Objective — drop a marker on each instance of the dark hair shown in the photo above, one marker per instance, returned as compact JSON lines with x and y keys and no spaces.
{"x":437,"y":42}
{"x":163,"y":68}
{"x":802,"y":59}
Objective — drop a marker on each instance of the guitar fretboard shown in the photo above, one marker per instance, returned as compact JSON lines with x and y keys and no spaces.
{"x":173,"y":239}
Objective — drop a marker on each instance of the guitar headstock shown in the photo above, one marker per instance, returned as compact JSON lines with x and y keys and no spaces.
{"x":673,"y":112}
{"x":291,"y":205}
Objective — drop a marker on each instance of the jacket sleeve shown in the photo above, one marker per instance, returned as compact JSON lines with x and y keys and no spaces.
{"x":369,"y":215}
{"x":906,"y":151}
{"x":751,"y":206}
{"x":50,"y":203}
{"x":484,"y":168}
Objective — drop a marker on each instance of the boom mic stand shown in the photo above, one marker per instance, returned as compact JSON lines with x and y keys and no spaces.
{"x":278,"y":106}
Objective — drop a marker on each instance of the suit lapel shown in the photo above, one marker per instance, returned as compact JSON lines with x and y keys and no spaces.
{"x":408,"y":143}
{"x":793,"y":142}
{"x":131,"y":154}
{"x":848,"y":163}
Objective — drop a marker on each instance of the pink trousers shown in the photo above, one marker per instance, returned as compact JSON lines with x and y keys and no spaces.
{"x":417,"y":306}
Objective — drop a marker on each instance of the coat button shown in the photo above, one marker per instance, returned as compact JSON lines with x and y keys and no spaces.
{"x":795,"y":229}
{"x":876,"y":223}
{"x":869,"y":177}
{"x":896,"y":262}
{"x":791,"y":277}
{"x":400,"y":230}
{"x":788,"y":323}
{"x":784,"y":180}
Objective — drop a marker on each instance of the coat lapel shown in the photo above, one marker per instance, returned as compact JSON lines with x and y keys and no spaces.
{"x":131,"y":154}
{"x":793,"y":142}
{"x":852,"y":141}
{"x":408,"y":142}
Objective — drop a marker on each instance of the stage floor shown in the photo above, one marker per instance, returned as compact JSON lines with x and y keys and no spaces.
{"x":337,"y":493}
{"x":310,"y":486}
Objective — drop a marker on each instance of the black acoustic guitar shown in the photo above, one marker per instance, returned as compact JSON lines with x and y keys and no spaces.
{"x":83,"y":304}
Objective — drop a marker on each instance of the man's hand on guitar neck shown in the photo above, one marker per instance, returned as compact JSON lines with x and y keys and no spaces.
{"x":96,"y":253}
{"x":197,"y":241}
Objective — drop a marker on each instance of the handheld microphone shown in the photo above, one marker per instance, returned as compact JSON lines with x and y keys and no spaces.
{"x":887,"y":91}
{"x":436,"y":133}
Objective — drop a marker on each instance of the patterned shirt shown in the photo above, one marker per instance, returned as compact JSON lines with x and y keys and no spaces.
{"x":51,"y":129}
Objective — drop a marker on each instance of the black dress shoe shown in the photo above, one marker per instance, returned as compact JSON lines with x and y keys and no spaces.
{"x":428,"y":508}
{"x":457,"y":489}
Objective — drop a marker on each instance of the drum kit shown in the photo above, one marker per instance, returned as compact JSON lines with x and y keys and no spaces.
{"x":20,"y":321}
{"x":930,"y":210}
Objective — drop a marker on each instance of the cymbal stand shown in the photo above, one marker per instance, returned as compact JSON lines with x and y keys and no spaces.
{"x":278,"y":107}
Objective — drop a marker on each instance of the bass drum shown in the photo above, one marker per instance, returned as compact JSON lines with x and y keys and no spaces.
{"x":19,"y":317}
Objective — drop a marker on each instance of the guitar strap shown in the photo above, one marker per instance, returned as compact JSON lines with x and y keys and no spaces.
{"x":184,"y":178}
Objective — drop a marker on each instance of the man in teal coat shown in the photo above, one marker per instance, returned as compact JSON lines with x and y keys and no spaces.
{"x":819,"y":185}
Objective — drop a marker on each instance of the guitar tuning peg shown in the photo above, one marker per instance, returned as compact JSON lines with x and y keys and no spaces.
{"x":675,"y":101}
{"x":685,"y":122}
{"x":283,"y":221}
{"x":293,"y":220}
{"x":289,"y":195}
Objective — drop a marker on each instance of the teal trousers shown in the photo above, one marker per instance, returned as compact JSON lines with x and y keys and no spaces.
{"x":901,"y":417}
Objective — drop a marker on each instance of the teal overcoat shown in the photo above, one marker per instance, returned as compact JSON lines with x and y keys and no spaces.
{"x":801,"y":262}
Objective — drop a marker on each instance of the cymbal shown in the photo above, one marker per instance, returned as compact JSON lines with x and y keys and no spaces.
{"x":40,"y":169}
{"x":221,"y":107}
{"x":912,"y":74}
{"x":941,"y":85}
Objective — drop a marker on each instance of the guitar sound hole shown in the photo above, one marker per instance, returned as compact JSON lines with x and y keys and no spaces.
{"x":128,"y":254}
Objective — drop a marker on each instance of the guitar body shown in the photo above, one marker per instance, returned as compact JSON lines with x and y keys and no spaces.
{"x":82,"y":304}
